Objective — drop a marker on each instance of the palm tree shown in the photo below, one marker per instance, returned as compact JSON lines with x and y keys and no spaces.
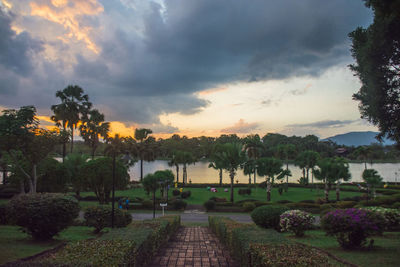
{"x":340,"y":171}
{"x":307,"y":160}
{"x":177,"y":158}
{"x":216,"y":161}
{"x":232,"y":157}
{"x":271,"y":168}
{"x":253,"y":147}
{"x":141,"y":136}
{"x":92,"y":127}
{"x":286,"y":152}
{"x":73,"y":108}
{"x":363,"y":152}
{"x":248,"y":168}
{"x":74,"y":162}
{"x":187,"y":159}
{"x":373,"y":179}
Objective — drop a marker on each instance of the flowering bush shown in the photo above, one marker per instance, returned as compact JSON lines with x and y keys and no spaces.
{"x":296,"y":221}
{"x":351,"y":227}
{"x":391,"y":216}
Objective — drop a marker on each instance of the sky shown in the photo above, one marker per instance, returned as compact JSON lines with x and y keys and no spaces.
{"x":188,"y":67}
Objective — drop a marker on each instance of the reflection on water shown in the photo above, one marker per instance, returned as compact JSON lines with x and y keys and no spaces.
{"x":200,"y":173}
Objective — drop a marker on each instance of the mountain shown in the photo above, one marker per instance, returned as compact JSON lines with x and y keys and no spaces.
{"x":357,"y":139}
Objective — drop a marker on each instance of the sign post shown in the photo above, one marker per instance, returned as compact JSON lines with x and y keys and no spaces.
{"x":163,"y":205}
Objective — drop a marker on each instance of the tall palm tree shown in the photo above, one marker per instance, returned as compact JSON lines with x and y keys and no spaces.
{"x":271,"y":168}
{"x":216,"y":161}
{"x":253,"y":147}
{"x":363,"y":152}
{"x":286,"y":152}
{"x":92,"y":127}
{"x":143,"y":147}
{"x":373,"y":180}
{"x":248,"y":168}
{"x":73,"y":108}
{"x":175,"y":161}
{"x":187,"y":159}
{"x":232,"y":156}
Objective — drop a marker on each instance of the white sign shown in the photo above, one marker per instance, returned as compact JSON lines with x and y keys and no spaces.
{"x":163,"y":204}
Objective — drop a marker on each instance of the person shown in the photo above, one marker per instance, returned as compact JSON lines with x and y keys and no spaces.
{"x":120,"y":203}
{"x":127,"y":203}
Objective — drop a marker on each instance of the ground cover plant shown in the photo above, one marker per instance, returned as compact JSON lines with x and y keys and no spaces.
{"x":385,"y":252}
{"x":15,"y":244}
{"x":130,"y":246}
{"x":254,"y":246}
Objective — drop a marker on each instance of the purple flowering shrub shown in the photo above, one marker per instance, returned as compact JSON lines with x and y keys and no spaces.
{"x":296,"y":221}
{"x":351,"y":227}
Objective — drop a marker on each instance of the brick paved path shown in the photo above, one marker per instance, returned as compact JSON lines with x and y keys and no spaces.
{"x":193,"y":246}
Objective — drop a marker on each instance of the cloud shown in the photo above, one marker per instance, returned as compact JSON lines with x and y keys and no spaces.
{"x":67,"y":14}
{"x":212,"y":91}
{"x":159,"y":58}
{"x":323,"y":124}
{"x":241,"y":127}
{"x":300,"y":91}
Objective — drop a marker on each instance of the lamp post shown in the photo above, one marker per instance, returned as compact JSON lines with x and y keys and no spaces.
{"x":113,"y":191}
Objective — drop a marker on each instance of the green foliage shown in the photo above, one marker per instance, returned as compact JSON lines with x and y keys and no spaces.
{"x":147,"y":204}
{"x":178,"y":204}
{"x":351,"y":227}
{"x":54,"y":176}
{"x":134,"y":246}
{"x":296,"y":221}
{"x":392,"y":217}
{"x":176,"y":192}
{"x":99,"y":217}
{"x":376,"y":51}
{"x":74,"y":164}
{"x":249,"y":206}
{"x":209,"y":205}
{"x":98,"y":175}
{"x":186,"y":194}
{"x":3,"y":214}
{"x":254,"y":246}
{"x":43,"y":215}
{"x":244,"y":191}
{"x":268,"y":216}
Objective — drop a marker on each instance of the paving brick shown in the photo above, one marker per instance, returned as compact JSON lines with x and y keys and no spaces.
{"x":193,"y":246}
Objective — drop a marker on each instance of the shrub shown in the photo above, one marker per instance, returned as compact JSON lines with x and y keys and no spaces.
{"x":99,"y":217}
{"x":309,"y":207}
{"x":8,"y":191}
{"x":176,"y":192}
{"x":209,"y":205}
{"x":296,"y":221}
{"x":307,"y":201}
{"x":43,"y":215}
{"x":218,"y":199}
{"x":351,"y":227}
{"x":178,"y":204}
{"x":249,"y":206}
{"x":396,"y":205}
{"x":284,"y":201}
{"x":3,"y":214}
{"x":345,"y":204}
{"x":186,"y":194}
{"x":391,"y":216}
{"x":147,"y":204}
{"x":244,"y":191}
{"x":268,"y":216}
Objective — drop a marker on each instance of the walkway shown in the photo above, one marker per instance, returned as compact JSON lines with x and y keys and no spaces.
{"x":192,"y":216}
{"x":193,"y":246}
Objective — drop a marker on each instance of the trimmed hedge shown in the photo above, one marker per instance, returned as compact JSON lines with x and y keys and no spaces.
{"x":256,"y":247}
{"x":99,"y":217}
{"x":43,"y":215}
{"x":134,"y":245}
{"x":268,"y":216}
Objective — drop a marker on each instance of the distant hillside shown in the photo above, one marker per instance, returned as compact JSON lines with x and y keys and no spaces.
{"x":357,"y":139}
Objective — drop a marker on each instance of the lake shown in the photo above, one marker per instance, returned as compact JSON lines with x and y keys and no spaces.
{"x":200,"y":173}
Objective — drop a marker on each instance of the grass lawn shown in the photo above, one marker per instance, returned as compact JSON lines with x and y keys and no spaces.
{"x":15,"y":244}
{"x":201,"y":195}
{"x":386,"y":249}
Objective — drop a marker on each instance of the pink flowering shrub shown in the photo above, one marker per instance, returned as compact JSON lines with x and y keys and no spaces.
{"x":296,"y":221}
{"x":351,"y":227}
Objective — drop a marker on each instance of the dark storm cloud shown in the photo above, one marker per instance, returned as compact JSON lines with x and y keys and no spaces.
{"x":16,"y":49}
{"x":188,"y":46}
{"x":322,"y":124}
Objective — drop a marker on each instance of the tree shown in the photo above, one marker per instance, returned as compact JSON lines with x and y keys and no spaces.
{"x":216,"y":161}
{"x":53,"y":176}
{"x":307,"y":160}
{"x":143,"y":148}
{"x":331,"y":170}
{"x":187,"y":159}
{"x":373,"y":180}
{"x":25,"y":143}
{"x":73,"y":108}
{"x":286,"y":152}
{"x":98,"y":175}
{"x":93,"y":127}
{"x":271,"y":168}
{"x":165,"y":179}
{"x":253,"y":147}
{"x":376,"y":51}
{"x":232,"y":157}
{"x":363,"y":152}
{"x":151,"y":184}
{"x":175,"y":161}
{"x":74,"y":164}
